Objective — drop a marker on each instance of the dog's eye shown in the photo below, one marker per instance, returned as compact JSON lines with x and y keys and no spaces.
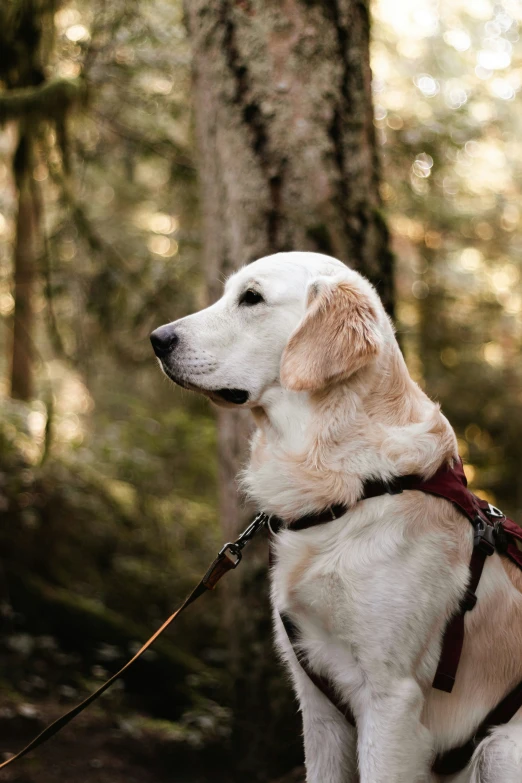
{"x":250,"y":298}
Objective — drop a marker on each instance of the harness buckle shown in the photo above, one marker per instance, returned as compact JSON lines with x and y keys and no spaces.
{"x":468,"y":602}
{"x":485,"y":535}
{"x":394,"y":487}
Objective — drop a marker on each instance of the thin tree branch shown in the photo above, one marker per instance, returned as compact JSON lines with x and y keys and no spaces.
{"x":51,"y":99}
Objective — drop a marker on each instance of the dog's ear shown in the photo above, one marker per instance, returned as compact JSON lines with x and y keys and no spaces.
{"x":337,"y":336}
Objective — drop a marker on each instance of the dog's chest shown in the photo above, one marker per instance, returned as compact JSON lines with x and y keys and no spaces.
{"x":366,"y":598}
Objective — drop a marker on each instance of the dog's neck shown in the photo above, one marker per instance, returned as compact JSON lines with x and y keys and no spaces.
{"x":313,"y":450}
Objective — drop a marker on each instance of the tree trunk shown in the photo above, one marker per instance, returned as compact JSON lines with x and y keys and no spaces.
{"x":285,"y":131}
{"x":25,"y":256}
{"x":26,"y":37}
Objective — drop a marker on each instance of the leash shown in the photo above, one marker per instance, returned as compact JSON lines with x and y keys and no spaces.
{"x":228,"y":558}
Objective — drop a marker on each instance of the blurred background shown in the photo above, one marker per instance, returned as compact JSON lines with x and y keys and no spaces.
{"x":113,"y":493}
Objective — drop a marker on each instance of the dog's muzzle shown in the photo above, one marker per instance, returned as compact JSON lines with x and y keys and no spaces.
{"x":164,"y":340}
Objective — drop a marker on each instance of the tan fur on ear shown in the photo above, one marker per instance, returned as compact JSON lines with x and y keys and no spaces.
{"x":337,"y":336}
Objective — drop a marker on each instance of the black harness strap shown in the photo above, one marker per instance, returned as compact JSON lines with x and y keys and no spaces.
{"x":311,"y":520}
{"x":322,"y":683}
{"x":454,"y":760}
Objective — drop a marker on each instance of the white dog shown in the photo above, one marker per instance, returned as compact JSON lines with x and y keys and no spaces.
{"x":304,"y":342}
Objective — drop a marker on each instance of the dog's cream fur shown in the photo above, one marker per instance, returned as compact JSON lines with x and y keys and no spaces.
{"x":372,"y":591}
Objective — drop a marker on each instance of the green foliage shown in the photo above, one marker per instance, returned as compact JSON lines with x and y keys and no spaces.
{"x":87,"y":564}
{"x":72,"y":522}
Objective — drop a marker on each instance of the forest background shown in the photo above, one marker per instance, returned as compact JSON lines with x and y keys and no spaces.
{"x":109,"y":477}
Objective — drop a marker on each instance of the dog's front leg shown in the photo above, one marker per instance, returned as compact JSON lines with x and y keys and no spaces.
{"x":393,"y":745}
{"x":329,"y":740}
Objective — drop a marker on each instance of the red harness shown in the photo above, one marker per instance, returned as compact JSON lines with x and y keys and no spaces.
{"x":492,"y":532}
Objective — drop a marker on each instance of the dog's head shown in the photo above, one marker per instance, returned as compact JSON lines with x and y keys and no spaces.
{"x":299,"y":320}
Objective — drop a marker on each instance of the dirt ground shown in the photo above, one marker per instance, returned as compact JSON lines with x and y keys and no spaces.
{"x":93,"y":749}
{"x":96,"y":748}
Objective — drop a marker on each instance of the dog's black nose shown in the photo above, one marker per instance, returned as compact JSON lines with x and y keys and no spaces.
{"x":163,"y":340}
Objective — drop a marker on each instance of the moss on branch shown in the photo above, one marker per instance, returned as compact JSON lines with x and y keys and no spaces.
{"x":50,"y":100}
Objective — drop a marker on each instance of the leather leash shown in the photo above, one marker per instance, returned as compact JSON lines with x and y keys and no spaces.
{"x":227,"y":559}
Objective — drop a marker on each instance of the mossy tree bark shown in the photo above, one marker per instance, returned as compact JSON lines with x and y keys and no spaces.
{"x":25,"y":259}
{"x":26,"y":38}
{"x":288,"y":161}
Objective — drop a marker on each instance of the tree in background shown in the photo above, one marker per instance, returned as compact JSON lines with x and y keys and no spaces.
{"x":288,"y":160}
{"x":26,"y":44}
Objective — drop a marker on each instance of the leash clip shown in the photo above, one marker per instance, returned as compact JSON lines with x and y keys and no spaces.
{"x":257,"y":523}
{"x":233,"y":549}
{"x":232,"y":552}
